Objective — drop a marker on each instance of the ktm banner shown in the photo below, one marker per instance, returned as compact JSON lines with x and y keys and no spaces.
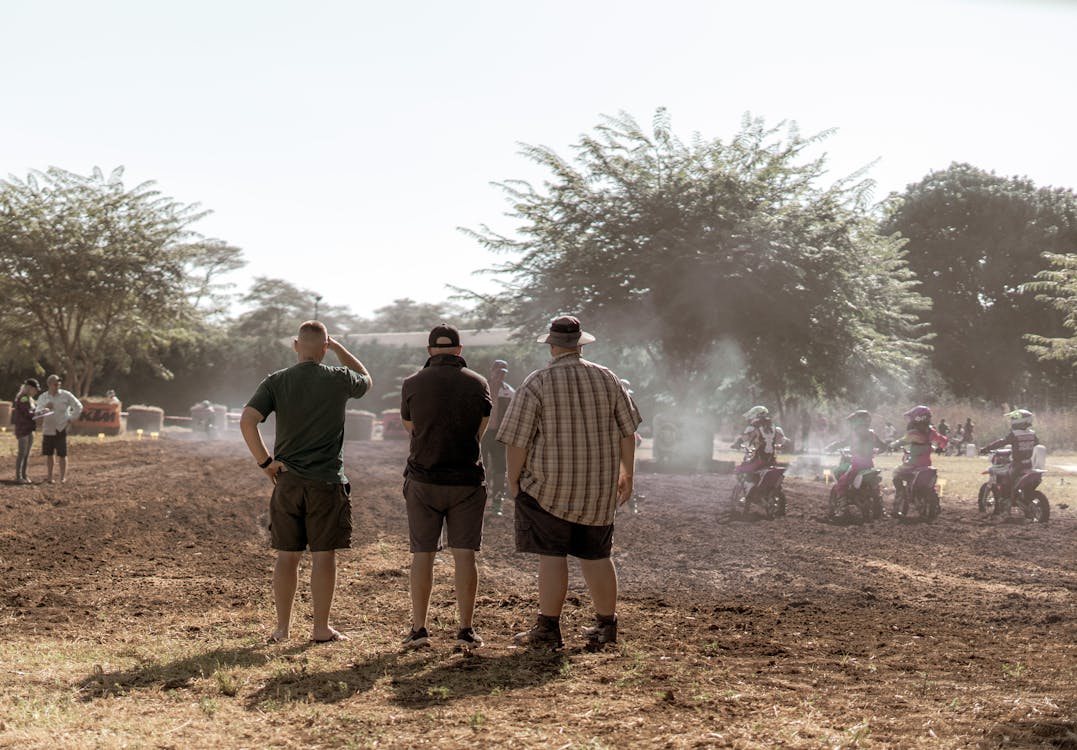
{"x":97,"y":418}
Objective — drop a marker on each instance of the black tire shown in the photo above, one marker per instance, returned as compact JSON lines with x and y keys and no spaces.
{"x":738,"y":500}
{"x":770,"y":504}
{"x":832,"y":510}
{"x":779,"y":509}
{"x":986,"y":499}
{"x":1002,"y":505}
{"x":931,"y":506}
{"x":876,"y":505}
{"x":901,"y":502}
{"x":1039,"y":510}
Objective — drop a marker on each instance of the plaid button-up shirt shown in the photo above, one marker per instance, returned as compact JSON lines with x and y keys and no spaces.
{"x":570,"y":417}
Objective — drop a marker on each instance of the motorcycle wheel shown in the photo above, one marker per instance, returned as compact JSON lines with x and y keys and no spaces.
{"x":1002,"y":505}
{"x":779,"y":503}
{"x":738,"y":499}
{"x":1039,"y":511}
{"x":770,"y":504}
{"x":836,"y":506}
{"x":901,"y":503}
{"x":931,"y":506}
{"x":876,"y":505}
{"x":986,"y":499}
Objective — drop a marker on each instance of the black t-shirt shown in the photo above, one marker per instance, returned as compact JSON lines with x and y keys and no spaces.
{"x":445,"y":402}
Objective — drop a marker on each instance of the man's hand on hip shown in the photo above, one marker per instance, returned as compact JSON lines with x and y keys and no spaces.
{"x":274,"y":468}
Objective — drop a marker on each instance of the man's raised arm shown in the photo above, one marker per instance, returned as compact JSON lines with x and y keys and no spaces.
{"x":349,"y":360}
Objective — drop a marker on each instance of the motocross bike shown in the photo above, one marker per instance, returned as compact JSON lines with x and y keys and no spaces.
{"x":864,"y":493}
{"x":997,"y":498}
{"x":919,"y":492}
{"x":762,"y":488}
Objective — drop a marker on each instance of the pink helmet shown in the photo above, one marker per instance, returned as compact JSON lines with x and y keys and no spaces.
{"x":918,"y":415}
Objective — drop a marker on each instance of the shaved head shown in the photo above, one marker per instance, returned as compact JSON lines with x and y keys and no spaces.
{"x":312,"y":340}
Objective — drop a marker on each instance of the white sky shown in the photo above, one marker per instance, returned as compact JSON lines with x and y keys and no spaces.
{"x":341,"y":144}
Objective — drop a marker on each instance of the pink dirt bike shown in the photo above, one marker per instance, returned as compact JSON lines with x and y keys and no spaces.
{"x":997,"y":498}
{"x":918,"y":492}
{"x":762,"y":488}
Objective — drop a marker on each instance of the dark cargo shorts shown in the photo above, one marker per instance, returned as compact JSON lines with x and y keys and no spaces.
{"x":309,"y":513}
{"x":54,"y":444}
{"x":540,"y":532}
{"x":460,"y":508}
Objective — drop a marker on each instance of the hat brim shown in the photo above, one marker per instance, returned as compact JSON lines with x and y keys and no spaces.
{"x":566,"y":339}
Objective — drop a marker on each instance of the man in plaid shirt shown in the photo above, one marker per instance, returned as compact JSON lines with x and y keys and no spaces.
{"x":570,"y":443}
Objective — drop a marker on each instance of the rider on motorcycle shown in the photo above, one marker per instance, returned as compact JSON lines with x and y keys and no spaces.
{"x":762,"y":437}
{"x":862,"y":442}
{"x":920,"y":436}
{"x":1021,"y":439}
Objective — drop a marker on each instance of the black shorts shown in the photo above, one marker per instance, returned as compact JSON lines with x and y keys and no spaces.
{"x":540,"y":532}
{"x":54,"y":444}
{"x":309,"y":513}
{"x":459,"y":507}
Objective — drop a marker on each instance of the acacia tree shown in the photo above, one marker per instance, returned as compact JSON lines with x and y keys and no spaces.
{"x":974,"y":238}
{"x":725,"y":260}
{"x":93,"y":273}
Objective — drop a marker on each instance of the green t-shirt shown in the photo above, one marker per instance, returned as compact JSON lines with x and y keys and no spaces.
{"x":310,"y":400}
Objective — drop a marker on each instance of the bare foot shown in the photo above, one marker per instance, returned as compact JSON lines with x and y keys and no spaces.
{"x":277,"y":636}
{"x":329,"y":637}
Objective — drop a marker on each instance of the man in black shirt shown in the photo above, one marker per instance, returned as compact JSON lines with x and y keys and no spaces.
{"x":445,"y":408}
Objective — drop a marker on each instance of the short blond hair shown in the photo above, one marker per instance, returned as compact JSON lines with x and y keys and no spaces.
{"x":313,"y":332}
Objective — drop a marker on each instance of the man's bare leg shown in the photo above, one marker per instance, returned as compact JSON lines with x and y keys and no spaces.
{"x":285,"y":580}
{"x":63,"y":469}
{"x":467,"y":584}
{"x":552,"y":584}
{"x":601,"y":578}
{"x":421,"y":582}
{"x":48,"y":465}
{"x":323,"y":582}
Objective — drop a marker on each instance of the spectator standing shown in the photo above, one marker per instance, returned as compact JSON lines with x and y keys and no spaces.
{"x":969,"y":439}
{"x":570,"y":437}
{"x":310,"y":505}
{"x":60,"y":408}
{"x":493,"y":452}
{"x":445,"y":407}
{"x":23,"y":416}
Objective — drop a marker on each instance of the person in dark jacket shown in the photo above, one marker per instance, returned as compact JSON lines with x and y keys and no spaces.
{"x":24,"y":414}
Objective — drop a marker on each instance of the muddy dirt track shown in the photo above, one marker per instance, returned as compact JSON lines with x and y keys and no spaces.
{"x":794,"y":632}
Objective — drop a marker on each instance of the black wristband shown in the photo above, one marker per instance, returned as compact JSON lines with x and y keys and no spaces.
{"x":266,"y":463}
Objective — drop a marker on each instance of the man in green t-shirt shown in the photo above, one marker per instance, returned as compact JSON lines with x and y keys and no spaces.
{"x":310,"y":506}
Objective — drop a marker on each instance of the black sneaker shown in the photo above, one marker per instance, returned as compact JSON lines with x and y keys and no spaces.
{"x":546,"y":633}
{"x":604,"y":631}
{"x":467,"y":639}
{"x":416,"y":639}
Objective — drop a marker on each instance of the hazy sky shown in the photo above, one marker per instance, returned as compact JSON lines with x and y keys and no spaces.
{"x":341,"y":144}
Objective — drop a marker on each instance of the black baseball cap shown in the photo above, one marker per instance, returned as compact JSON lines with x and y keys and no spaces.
{"x":443,"y":336}
{"x":33,"y":382}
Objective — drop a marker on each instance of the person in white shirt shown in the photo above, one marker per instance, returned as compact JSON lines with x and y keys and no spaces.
{"x":60,"y":408}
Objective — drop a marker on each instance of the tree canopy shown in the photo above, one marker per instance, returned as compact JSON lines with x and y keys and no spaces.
{"x":974,"y":239}
{"x":726,"y":260}
{"x":93,"y":272}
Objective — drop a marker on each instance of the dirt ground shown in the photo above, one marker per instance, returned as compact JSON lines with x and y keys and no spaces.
{"x":135,"y":602}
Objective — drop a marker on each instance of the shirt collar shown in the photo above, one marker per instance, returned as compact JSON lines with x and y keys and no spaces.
{"x":564,"y":358}
{"x":450,"y":360}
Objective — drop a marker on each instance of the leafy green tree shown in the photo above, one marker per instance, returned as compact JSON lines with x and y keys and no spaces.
{"x":1057,"y":287}
{"x":93,"y":273}
{"x":974,"y":239}
{"x":726,"y":261}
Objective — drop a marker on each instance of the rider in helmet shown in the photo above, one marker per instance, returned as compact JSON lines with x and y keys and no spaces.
{"x":862,"y":442}
{"x":762,"y":437}
{"x":1021,"y":439}
{"x":920,"y":436}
